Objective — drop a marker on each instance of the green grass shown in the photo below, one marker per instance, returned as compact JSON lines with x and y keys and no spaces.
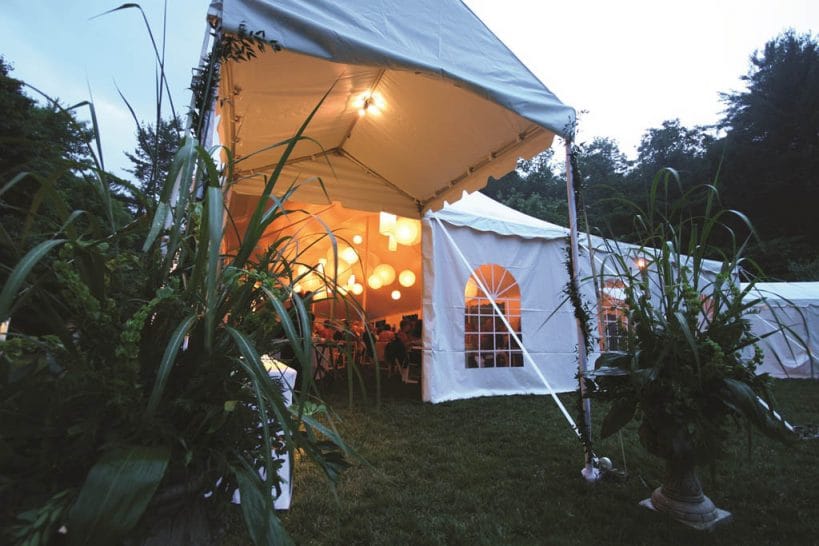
{"x":506,"y":470}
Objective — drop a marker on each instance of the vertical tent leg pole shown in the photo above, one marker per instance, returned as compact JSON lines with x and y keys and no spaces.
{"x":589,"y":472}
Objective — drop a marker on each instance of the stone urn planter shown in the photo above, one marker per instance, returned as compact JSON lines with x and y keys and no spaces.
{"x":682,"y":499}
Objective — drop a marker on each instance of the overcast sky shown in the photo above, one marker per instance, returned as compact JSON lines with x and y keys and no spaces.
{"x":629,"y":64}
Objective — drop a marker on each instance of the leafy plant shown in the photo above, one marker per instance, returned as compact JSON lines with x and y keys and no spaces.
{"x":689,"y":368}
{"x":136,"y":383}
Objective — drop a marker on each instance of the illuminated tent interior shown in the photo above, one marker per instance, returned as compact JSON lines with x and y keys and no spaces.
{"x":377,"y":256}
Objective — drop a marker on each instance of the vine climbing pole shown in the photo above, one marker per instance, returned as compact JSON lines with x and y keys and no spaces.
{"x":589,"y":471}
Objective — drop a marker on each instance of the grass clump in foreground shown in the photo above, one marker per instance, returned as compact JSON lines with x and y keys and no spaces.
{"x":506,"y":470}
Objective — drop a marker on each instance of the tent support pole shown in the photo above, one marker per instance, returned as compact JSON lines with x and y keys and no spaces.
{"x":589,"y":472}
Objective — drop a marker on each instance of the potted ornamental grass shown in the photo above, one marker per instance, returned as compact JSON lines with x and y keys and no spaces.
{"x":687,"y":373}
{"x":133,"y":395}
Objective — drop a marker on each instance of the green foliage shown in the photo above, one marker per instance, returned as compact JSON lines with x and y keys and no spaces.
{"x":772,"y":151}
{"x":532,"y":189}
{"x":690,"y":367}
{"x":768,"y":160}
{"x":115,"y":494}
{"x":156,"y":145}
{"x":133,"y":362}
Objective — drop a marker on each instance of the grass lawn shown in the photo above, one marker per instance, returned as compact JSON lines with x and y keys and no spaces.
{"x":506,"y":470}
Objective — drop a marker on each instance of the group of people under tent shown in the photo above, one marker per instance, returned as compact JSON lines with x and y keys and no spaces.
{"x":399,"y":343}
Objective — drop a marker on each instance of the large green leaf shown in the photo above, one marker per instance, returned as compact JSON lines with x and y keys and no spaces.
{"x":742,"y":399}
{"x":261,"y":521}
{"x":20,"y":272}
{"x":115,"y":494}
{"x":168,"y":358}
{"x":215,"y":213}
{"x":621,"y":412}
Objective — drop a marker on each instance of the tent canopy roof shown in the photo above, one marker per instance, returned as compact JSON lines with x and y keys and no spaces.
{"x":448,"y":104}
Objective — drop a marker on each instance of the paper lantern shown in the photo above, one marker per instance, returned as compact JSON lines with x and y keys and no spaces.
{"x":396,"y":295}
{"x":386,"y":272}
{"x":375,"y":282}
{"x":406,"y":231}
{"x":358,"y":289}
{"x":406,"y":278}
{"x":311,"y":284}
{"x":349,"y":255}
{"x":471,"y":288}
{"x":386,"y":223}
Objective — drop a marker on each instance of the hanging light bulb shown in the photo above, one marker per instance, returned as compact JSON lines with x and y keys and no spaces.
{"x":392,"y":245}
{"x":357,"y":239}
{"x":406,"y":278}
{"x":351,"y":281}
{"x":396,"y":295}
{"x":358,"y":289}
{"x":641,"y":263}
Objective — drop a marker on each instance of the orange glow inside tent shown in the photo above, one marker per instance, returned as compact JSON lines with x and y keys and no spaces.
{"x":355,"y":267}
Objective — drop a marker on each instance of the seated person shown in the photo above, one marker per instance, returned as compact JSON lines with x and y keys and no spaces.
{"x":405,"y":334}
{"x":325,"y":330}
{"x":397,"y":350}
{"x":386,"y":334}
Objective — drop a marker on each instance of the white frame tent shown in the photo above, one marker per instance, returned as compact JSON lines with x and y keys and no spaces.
{"x":419,"y":102}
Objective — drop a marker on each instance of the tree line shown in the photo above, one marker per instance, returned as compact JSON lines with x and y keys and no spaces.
{"x":763,"y":155}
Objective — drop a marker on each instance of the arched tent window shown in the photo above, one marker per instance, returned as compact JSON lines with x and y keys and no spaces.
{"x":613,"y":317}
{"x":487,"y":341}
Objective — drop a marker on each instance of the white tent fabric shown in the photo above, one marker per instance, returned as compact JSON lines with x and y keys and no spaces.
{"x":533,"y":251}
{"x":796,"y":305}
{"x":448,"y":104}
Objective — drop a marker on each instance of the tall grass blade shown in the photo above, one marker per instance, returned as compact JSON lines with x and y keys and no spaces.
{"x":168,"y":359}
{"x":21,"y":271}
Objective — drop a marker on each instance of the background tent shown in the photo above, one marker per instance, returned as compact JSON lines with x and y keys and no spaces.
{"x":796,"y":304}
{"x":424,"y":101}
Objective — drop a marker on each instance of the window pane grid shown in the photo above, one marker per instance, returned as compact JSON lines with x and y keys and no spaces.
{"x":487,"y":341}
